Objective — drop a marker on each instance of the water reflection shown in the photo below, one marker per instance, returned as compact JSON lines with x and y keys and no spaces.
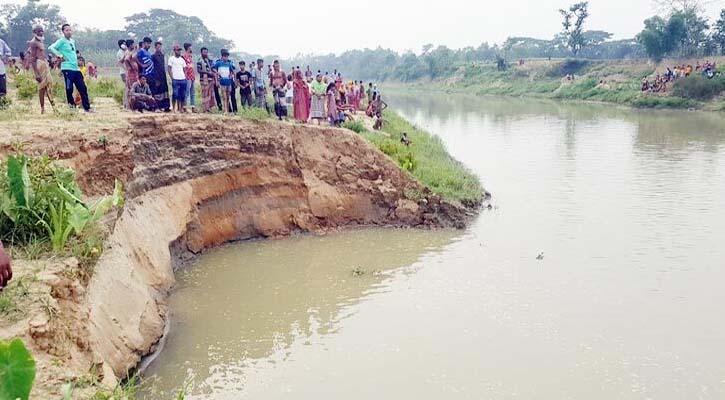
{"x":661,"y":130}
{"x":244,"y":303}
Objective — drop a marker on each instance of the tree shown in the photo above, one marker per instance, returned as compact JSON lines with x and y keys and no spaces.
{"x":98,"y":40}
{"x":573,"y":24}
{"x":172,"y":27}
{"x":595,"y":38}
{"x":660,"y":37}
{"x":719,"y":32}
{"x":16,"y":23}
{"x":672,"y":6}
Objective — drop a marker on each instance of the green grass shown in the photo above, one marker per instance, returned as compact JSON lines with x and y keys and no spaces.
{"x":427,"y":160}
{"x":355,"y":126}
{"x":601,"y":81}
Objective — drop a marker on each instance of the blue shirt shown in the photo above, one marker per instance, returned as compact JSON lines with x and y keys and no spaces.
{"x":148,"y":63}
{"x":66,"y":48}
{"x":259,"y":78}
{"x":225,"y":69}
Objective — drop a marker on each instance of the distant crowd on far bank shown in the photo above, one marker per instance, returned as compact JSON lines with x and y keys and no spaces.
{"x":707,"y":69}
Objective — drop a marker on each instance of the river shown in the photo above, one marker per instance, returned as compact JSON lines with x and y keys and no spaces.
{"x":626,"y":207}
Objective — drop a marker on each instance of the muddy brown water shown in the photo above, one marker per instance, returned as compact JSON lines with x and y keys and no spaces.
{"x":626,"y":207}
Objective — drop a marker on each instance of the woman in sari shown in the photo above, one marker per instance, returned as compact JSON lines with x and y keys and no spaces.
{"x":319,"y":92}
{"x":332,"y":114}
{"x":159,"y":84}
{"x":130,"y":61}
{"x":361,"y":90}
{"x":301,"y":97}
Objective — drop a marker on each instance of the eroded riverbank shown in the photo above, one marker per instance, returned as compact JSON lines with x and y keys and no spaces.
{"x":194,"y":183}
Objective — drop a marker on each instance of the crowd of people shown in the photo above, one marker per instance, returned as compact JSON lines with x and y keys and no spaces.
{"x":62,"y":55}
{"x":147,"y":75}
{"x":321,"y":97}
{"x":707,"y":69}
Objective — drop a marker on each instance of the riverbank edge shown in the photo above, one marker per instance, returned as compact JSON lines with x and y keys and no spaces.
{"x":164,"y":219}
{"x":611,"y":82}
{"x":443,"y":88}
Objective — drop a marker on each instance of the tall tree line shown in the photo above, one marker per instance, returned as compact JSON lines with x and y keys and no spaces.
{"x":682,"y":30}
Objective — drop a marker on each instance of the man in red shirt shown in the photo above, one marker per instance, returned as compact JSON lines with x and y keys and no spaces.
{"x":190,"y":76}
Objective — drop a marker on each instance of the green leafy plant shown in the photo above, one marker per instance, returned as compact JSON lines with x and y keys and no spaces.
{"x":17,"y":370}
{"x":40,"y":200}
{"x":5,"y":103}
{"x":26,"y":85}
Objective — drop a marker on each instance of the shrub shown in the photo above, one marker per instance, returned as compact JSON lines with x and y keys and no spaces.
{"x":407,"y":161}
{"x":40,"y":200}
{"x":567,"y":67}
{"x":583,"y":89}
{"x":388,"y":147}
{"x":355,"y":126}
{"x":5,"y":103}
{"x":26,"y":85}
{"x":699,"y":87}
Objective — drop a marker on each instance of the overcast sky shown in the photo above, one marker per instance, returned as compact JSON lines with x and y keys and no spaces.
{"x":290,"y":27}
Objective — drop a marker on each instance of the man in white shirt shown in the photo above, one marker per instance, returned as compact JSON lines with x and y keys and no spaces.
{"x":178,"y":79}
{"x":122,"y":71}
{"x":5,"y":53}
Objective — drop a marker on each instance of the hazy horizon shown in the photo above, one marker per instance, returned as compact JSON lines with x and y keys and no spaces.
{"x":400,"y":26}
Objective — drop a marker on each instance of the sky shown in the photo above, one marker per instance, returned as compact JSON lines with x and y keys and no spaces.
{"x":336,"y":26}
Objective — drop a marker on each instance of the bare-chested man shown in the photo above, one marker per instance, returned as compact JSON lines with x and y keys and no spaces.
{"x":39,"y":63}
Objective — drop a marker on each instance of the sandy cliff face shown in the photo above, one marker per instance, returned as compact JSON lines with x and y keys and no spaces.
{"x":193,"y":183}
{"x":199,"y":182}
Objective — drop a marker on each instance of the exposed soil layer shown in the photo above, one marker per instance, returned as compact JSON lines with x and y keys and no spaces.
{"x":193,"y":183}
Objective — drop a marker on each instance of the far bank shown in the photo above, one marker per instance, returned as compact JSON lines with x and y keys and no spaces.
{"x":615,"y":82}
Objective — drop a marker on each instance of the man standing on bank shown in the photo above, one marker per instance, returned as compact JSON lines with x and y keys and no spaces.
{"x":65,"y":49}
{"x":39,"y":63}
{"x":5,"y":54}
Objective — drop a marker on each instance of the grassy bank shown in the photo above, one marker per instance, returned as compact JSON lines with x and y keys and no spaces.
{"x":616,"y":82}
{"x":427,"y":159}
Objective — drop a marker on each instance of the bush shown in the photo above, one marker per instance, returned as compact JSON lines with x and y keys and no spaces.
{"x":355,"y":126}
{"x":40,"y":200}
{"x":26,"y":85}
{"x":5,"y":103}
{"x":579,"y":90}
{"x":699,"y":87}
{"x":567,"y":67}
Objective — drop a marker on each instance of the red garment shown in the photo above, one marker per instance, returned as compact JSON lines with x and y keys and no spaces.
{"x":302,"y":100}
{"x":189,"y":69}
